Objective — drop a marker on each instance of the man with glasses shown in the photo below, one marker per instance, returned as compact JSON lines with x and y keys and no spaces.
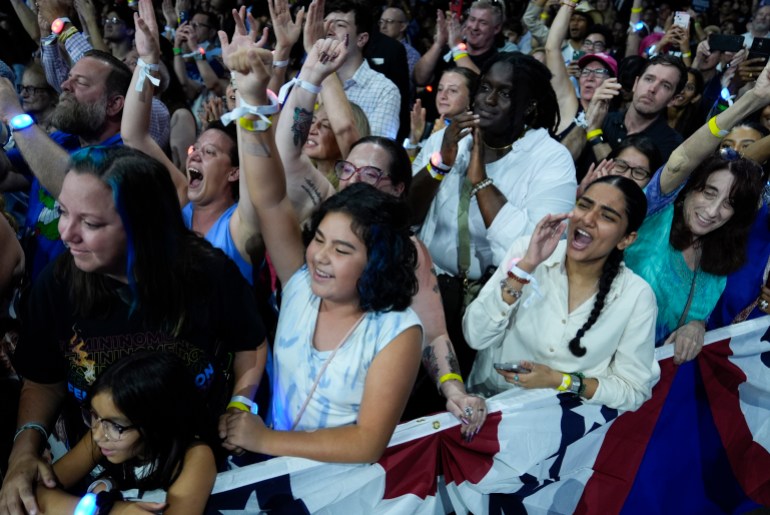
{"x":118,"y":26}
{"x":393,"y":23}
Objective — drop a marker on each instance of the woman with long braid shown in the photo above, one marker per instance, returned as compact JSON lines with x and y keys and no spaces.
{"x":567,"y":314}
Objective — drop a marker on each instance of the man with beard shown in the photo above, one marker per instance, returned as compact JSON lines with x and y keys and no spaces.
{"x":662,"y":78}
{"x":89,"y":113}
{"x":760,"y":24}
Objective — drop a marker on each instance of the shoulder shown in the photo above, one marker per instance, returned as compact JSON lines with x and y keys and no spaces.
{"x":630,"y":286}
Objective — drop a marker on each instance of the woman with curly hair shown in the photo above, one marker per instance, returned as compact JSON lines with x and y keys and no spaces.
{"x":567,"y":314}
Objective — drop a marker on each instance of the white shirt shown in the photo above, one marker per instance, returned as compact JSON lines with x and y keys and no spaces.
{"x":620,"y":345}
{"x":337,"y":399}
{"x":537,"y":177}
{"x":377,"y":97}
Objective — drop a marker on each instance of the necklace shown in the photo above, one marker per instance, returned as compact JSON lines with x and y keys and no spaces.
{"x":500,"y":149}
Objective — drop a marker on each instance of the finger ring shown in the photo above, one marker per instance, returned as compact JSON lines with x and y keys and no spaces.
{"x":763,"y":304}
{"x":516,"y":378}
{"x":468,"y":411}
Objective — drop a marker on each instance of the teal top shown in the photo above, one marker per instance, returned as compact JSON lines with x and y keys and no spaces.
{"x":664,"y":268}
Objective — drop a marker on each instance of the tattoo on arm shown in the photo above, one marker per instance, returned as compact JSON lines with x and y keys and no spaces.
{"x":311,"y":189}
{"x":454,"y":365}
{"x":301,"y":126}
{"x":430,"y":362}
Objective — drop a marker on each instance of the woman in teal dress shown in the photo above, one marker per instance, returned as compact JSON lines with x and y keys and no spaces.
{"x":701,"y":206}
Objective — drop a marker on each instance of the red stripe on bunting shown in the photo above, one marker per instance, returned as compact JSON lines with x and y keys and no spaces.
{"x":622,"y":451}
{"x":749,"y":460}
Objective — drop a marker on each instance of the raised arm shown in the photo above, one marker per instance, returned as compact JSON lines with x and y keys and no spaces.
{"x":560,"y":80}
{"x":27,"y":18}
{"x":705,"y":140}
{"x":423,"y":69}
{"x":135,"y":123}
{"x":343,"y":124}
{"x":47,"y":160}
{"x":306,"y":186}
{"x":261,"y":167}
{"x":287,"y":33}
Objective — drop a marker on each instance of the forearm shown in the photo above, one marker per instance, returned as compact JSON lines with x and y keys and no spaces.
{"x":278,"y":78}
{"x":558,"y":29}
{"x":210,"y":79}
{"x":702,"y":143}
{"x":532,"y":20}
{"x":38,"y":404}
{"x":347,"y":444}
{"x":421,"y":194}
{"x":423,"y":69}
{"x":27,"y":18}
{"x":47,"y":160}
{"x":335,"y":101}
{"x":759,"y":151}
{"x":490,"y":202}
{"x":248,"y":368}
{"x":575,"y":141}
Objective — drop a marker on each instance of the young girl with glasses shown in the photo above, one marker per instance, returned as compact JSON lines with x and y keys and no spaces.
{"x":146,"y":432}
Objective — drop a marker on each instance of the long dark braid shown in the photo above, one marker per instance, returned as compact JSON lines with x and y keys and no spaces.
{"x":609,"y":271}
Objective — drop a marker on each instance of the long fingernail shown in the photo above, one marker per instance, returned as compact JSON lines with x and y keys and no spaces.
{"x":464,"y":420}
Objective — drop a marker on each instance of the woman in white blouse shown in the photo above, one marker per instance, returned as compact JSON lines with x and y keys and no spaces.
{"x":569,"y":315}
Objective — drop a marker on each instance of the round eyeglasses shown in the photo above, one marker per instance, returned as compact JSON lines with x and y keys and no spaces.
{"x":368,"y":174}
{"x":112,"y":430}
{"x":637,"y":172}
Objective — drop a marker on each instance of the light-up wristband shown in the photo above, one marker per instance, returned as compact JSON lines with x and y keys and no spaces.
{"x":87,"y":505}
{"x":58,"y":25}
{"x":21,"y":121}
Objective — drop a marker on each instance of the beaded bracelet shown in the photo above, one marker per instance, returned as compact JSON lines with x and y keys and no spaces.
{"x":481,"y":185}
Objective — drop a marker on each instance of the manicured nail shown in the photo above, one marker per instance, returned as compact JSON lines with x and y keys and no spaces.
{"x":464,"y":420}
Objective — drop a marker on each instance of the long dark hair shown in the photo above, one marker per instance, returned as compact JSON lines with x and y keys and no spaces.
{"x":636,"y":209}
{"x":381,"y":220}
{"x":723,"y":251}
{"x":163,"y":257}
{"x":157,"y":393}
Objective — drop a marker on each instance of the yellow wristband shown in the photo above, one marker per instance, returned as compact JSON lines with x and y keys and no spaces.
{"x":636,"y":10}
{"x":687,"y":54}
{"x":594,"y":133}
{"x":260,"y":125}
{"x":460,"y":56}
{"x":239,"y":406}
{"x":450,"y":376}
{"x":544,"y":16}
{"x":566,"y":382}
{"x":715,"y":130}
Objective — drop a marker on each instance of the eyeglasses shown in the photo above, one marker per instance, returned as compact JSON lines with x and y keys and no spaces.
{"x":111,"y":430}
{"x":368,"y":174}
{"x":596,"y":46}
{"x":388,"y":21}
{"x":112,"y":21}
{"x":197,"y":24}
{"x":598,"y":72}
{"x":636,"y":172}
{"x":31,"y":90}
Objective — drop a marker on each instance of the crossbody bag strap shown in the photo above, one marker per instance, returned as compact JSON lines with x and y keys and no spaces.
{"x":463,"y":230}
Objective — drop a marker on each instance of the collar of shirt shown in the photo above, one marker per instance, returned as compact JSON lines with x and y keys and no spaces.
{"x":358,"y":77}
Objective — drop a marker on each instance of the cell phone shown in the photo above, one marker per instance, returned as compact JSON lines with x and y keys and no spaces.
{"x":456,"y":8}
{"x":511,"y":367}
{"x":682,"y":19}
{"x":577,"y":54}
{"x":725,"y":43}
{"x":760,"y":48}
{"x":184,"y":16}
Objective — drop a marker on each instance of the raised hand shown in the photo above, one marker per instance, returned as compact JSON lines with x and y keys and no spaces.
{"x":146,"y":38}
{"x":417,"y":122}
{"x":314,"y":25}
{"x":326,"y":57}
{"x":594,"y":172}
{"x":442,"y":31}
{"x":476,"y":168}
{"x":461,"y":125}
{"x":544,"y":240}
{"x":169,"y":13}
{"x":600,"y":103}
{"x":252,"y":68}
{"x":286,"y":30}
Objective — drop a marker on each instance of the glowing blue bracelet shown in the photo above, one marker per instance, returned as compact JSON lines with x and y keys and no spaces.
{"x":87,"y":505}
{"x":21,"y":121}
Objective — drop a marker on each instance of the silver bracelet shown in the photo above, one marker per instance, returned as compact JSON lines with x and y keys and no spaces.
{"x":516,"y":294}
{"x":31,"y":425}
{"x":481,"y":185}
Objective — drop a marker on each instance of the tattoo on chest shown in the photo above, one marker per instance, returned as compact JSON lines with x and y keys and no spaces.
{"x":301,"y":126}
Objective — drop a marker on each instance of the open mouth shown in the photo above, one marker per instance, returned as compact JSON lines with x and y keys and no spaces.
{"x":195,"y":177}
{"x":581,"y":239}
